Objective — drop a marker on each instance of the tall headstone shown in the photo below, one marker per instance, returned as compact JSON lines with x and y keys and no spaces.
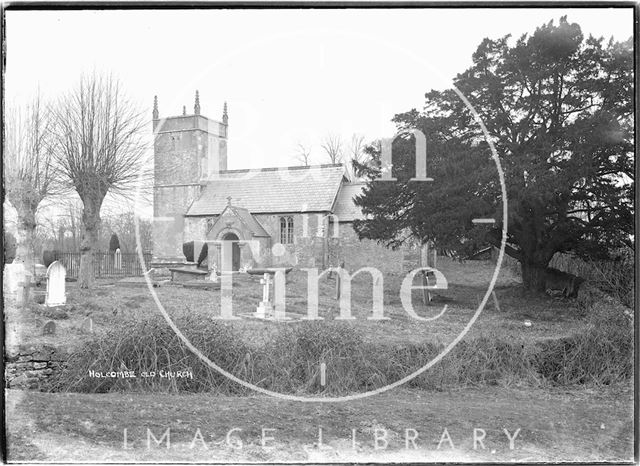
{"x":265,"y":309}
{"x":56,"y":275}
{"x":213,"y":271}
{"x":117,"y":259}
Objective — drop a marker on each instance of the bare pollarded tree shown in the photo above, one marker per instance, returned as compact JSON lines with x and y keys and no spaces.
{"x":29,"y":173}
{"x":100,"y":149}
{"x":332,"y":146}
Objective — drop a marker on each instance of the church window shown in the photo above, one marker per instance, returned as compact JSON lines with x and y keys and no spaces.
{"x":286,"y":230}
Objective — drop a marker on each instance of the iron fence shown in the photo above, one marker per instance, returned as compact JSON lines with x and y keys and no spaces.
{"x":105,"y":265}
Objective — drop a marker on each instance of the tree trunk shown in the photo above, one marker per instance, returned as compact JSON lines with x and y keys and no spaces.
{"x":90,"y":233}
{"x":25,"y":240}
{"x":533,"y":276}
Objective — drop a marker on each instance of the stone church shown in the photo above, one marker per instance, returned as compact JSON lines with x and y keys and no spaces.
{"x":299,"y":216}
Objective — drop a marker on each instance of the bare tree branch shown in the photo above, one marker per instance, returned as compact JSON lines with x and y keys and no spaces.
{"x":332,"y":145}
{"x":303,"y":154}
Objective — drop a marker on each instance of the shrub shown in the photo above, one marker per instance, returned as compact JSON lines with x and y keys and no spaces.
{"x":484,"y":360}
{"x":291,"y":362}
{"x":48,"y":257}
{"x":614,"y":277}
{"x":187,"y":250}
{"x":152,"y":346}
{"x":114,"y":243}
{"x":600,"y":352}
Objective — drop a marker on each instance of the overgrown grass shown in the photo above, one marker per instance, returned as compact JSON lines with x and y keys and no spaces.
{"x":602,"y":353}
{"x":599,"y":352}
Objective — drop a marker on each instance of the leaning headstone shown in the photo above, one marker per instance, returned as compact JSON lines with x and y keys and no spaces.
{"x":13,"y":277}
{"x":56,"y":275}
{"x":117,"y":259}
{"x":49,"y":328}
{"x":87,"y":325}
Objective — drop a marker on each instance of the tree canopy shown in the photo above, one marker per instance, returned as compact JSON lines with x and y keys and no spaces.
{"x":559,"y":110}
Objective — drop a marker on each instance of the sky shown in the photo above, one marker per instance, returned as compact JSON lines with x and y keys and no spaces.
{"x":289,"y":76}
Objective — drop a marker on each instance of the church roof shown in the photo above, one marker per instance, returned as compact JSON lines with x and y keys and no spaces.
{"x":272,"y":190}
{"x":345,"y":209}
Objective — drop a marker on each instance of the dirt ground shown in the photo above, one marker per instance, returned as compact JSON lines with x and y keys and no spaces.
{"x":554,"y":425}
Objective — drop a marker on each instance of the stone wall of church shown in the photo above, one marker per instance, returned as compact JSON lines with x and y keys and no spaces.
{"x":307,"y":249}
{"x":195,"y":228}
{"x":310,"y":250}
{"x":362,"y":253}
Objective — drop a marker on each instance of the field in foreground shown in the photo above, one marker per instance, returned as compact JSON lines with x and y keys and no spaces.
{"x":555,"y":425}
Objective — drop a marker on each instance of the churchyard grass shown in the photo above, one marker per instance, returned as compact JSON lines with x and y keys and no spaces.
{"x":108,"y":304}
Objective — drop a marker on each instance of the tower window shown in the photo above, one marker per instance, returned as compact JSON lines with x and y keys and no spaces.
{"x":286,"y":230}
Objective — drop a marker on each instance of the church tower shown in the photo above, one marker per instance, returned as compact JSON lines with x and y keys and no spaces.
{"x":187,"y":150}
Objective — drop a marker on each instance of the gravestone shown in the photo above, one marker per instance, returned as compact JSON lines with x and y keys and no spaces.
{"x":338,"y":284}
{"x":56,"y":275}
{"x":117,"y":259}
{"x":26,"y":284}
{"x":87,"y":325}
{"x":213,"y":272}
{"x":265,"y":309}
{"x":49,"y":328}
{"x":13,"y":277}
{"x":428,"y":258}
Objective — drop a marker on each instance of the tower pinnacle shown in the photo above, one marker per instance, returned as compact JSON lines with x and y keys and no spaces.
{"x":225,"y":116}
{"x":156,"y":114}
{"x":196,"y":107}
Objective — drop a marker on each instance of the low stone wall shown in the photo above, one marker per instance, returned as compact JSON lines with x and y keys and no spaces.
{"x":356,"y":253}
{"x":29,"y":367}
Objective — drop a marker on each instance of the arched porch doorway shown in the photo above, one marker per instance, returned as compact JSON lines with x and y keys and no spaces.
{"x":231,"y":253}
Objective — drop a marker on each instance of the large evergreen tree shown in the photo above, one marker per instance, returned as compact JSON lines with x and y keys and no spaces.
{"x":559,"y":110}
